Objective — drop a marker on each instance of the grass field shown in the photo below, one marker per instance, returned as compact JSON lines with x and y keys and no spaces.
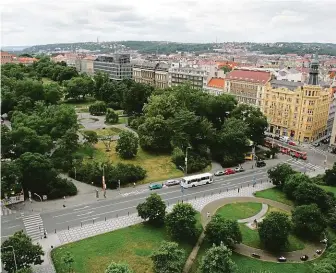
{"x":238,"y":210}
{"x":132,"y":245}
{"x":274,"y":194}
{"x":47,"y":81}
{"x":329,"y":188}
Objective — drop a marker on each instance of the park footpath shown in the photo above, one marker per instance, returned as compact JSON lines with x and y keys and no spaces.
{"x":79,"y":233}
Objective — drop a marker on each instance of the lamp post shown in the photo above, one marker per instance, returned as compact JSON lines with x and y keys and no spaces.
{"x":186,"y":160}
{"x":75,"y":173}
{"x":16,"y":269}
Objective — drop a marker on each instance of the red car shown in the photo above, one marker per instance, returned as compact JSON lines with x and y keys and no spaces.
{"x":229,"y":171}
{"x":292,"y":143}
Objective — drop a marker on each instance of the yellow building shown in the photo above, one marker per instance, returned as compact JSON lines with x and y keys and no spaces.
{"x":296,"y":110}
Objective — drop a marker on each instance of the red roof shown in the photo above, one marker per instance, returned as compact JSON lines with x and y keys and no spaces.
{"x":249,"y":76}
{"x":216,"y":82}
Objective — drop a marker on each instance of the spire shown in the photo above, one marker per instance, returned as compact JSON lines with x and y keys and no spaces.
{"x":313,"y":71}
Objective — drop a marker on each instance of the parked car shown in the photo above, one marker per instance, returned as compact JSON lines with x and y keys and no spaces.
{"x":260,"y":163}
{"x":155,"y":186}
{"x":282,"y":259}
{"x":239,"y":169}
{"x":174,"y":182}
{"x":229,"y":171}
{"x":316,"y":144}
{"x":292,"y":143}
{"x":304,"y":258}
{"x":219,"y":173}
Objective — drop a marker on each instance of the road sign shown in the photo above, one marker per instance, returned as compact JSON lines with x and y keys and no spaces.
{"x":44,"y":197}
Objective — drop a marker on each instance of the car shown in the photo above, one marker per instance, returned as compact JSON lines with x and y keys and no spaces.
{"x":239,"y":169}
{"x":255,"y":255}
{"x":318,"y":251}
{"x":292,"y":143}
{"x":155,"y":186}
{"x":260,"y":163}
{"x":282,"y":259}
{"x":324,"y":241}
{"x":219,"y":173}
{"x":316,"y":144}
{"x":229,"y":171}
{"x":174,"y":182}
{"x":304,"y":258}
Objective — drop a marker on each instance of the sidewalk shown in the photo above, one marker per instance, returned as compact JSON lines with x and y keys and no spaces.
{"x":89,"y":230}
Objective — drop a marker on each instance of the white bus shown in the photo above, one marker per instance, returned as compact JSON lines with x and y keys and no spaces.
{"x":196,"y":180}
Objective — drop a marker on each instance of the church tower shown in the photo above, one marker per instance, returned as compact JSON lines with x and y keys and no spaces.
{"x":313,"y":71}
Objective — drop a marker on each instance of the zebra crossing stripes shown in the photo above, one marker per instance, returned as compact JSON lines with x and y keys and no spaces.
{"x":34,"y":226}
{"x":302,"y":164}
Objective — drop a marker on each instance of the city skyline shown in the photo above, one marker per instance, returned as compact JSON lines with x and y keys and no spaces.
{"x":177,"y":21}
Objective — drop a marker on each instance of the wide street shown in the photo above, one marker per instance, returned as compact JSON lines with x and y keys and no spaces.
{"x":121,"y":204}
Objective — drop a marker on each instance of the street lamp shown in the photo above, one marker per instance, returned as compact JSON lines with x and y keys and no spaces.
{"x":16,"y":269}
{"x":75,"y":173}
{"x":186,"y":160}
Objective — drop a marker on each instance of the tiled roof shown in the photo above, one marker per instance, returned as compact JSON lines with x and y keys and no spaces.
{"x":286,"y":84}
{"x":216,"y":82}
{"x":249,"y":76}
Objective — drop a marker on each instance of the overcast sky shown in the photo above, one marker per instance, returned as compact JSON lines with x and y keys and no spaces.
{"x":31,"y":22}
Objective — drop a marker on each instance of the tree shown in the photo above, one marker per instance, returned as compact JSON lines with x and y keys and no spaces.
{"x":10,"y":178}
{"x":26,"y":253}
{"x":91,"y":137}
{"x":308,"y":221}
{"x":279,"y":174}
{"x":98,"y":108}
{"x":100,"y":79}
{"x":308,"y":193}
{"x":330,"y":176}
{"x":154,"y":135}
{"x":181,"y":222}
{"x":292,"y":182}
{"x":111,"y":117}
{"x":135,"y":97}
{"x":254,"y":118}
{"x":274,"y":231}
{"x":217,"y":259}
{"x":153,"y":209}
{"x":52,"y":93}
{"x":127,"y":145}
{"x":223,"y":230}
{"x":78,"y":87}
{"x":118,"y":268}
{"x":168,"y":258}
{"x":68,"y":260}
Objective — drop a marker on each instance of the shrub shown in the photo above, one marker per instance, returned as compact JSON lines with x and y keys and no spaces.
{"x":61,"y":187}
{"x":111,"y":117}
{"x":98,"y":108}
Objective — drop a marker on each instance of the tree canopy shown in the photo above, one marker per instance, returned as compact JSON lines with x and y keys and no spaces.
{"x":153,"y":209}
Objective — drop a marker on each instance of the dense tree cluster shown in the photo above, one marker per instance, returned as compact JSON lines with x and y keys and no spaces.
{"x":127,"y":145}
{"x":153,"y":209}
{"x":91,"y":172}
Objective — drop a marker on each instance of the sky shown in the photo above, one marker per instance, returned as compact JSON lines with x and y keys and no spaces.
{"x":34,"y":22}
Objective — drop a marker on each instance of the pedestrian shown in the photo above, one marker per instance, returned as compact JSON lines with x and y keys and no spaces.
{"x":238,"y":189}
{"x":104,"y":193}
{"x":134,"y":185}
{"x":208,"y":214}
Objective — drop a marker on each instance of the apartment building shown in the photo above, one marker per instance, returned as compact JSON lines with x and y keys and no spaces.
{"x":247,"y":86}
{"x":197,"y":78}
{"x":215,"y":86}
{"x":87,"y":65}
{"x":152,"y":73}
{"x":296,"y":110}
{"x":117,"y":66}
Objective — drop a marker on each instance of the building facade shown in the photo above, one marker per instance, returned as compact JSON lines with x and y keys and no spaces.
{"x":215,"y":86}
{"x":296,"y":110}
{"x":152,"y":73}
{"x":332,"y":144}
{"x":117,"y":66}
{"x":197,"y":78}
{"x":247,"y":86}
{"x":87,"y":65}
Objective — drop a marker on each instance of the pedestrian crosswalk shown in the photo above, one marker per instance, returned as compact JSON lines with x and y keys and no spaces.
{"x":6,"y":211}
{"x":34,"y":226}
{"x":303,"y":165}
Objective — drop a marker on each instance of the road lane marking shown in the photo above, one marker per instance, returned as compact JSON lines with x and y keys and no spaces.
{"x":82,"y":208}
{"x":12,"y":226}
{"x":89,"y":212}
{"x":258,"y":173}
{"x":165,"y":200}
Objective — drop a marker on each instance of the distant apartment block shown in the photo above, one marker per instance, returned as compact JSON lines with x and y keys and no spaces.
{"x":152,"y":73}
{"x":117,"y":66}
{"x":215,"y":86}
{"x":197,"y":78}
{"x":247,"y":86}
{"x":87,"y":65}
{"x":11,"y":58}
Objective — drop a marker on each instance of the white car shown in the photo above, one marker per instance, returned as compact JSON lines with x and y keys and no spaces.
{"x":174,"y":182}
{"x":239,"y":169}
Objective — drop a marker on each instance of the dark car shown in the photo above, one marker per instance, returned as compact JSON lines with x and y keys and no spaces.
{"x":282,"y":259}
{"x":304,"y":258}
{"x":219,"y":173}
{"x":174,"y":182}
{"x":260,"y":163}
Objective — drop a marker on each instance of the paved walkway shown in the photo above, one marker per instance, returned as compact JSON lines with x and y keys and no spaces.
{"x":258,"y":216}
{"x":293,"y":256}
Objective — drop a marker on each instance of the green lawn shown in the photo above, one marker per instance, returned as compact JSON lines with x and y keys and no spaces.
{"x":238,"y":210}
{"x":274,"y":194}
{"x":47,"y":81}
{"x":123,"y":120}
{"x":132,"y":245}
{"x":329,"y":188}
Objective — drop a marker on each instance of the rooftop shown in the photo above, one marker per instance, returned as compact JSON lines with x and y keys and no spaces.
{"x":287,"y":84}
{"x":249,"y":76}
{"x":217,"y":83}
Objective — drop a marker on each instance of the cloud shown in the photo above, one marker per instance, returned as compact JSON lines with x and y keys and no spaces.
{"x":30,"y":22}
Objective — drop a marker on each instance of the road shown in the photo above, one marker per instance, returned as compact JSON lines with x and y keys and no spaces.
{"x":65,"y":218}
